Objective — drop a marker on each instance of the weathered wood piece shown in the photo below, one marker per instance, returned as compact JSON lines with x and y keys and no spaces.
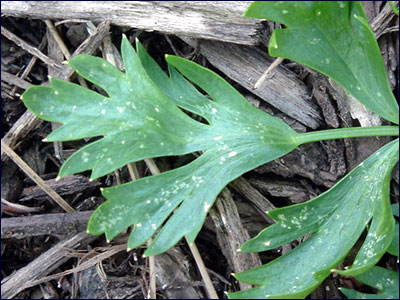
{"x":108,"y":252}
{"x":218,"y":20}
{"x":15,"y":80}
{"x":296,"y":125}
{"x":30,"y":49}
{"x":173,"y":276}
{"x":28,"y":121}
{"x":43,"y":265}
{"x":10,"y":207}
{"x":61,"y":224}
{"x":65,"y":186}
{"x":36,"y":178}
{"x":262,"y":204}
{"x":231,"y":235}
{"x":321,"y":95}
{"x":25,"y":124}
{"x":245,"y":65}
{"x":291,"y":190}
{"x":54,"y":51}
{"x":380,"y":24}
{"x":322,"y":163}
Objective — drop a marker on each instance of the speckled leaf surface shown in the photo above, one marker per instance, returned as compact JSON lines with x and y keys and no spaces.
{"x":334,"y":38}
{"x":385,"y":281}
{"x":141,"y":118}
{"x":336,"y":220}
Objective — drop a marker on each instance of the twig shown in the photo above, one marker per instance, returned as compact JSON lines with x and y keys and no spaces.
{"x":152,"y":270}
{"x":212,"y":294}
{"x":133,"y":171}
{"x":25,"y":124}
{"x":382,"y":20}
{"x":30,"y":49}
{"x":261,"y":203}
{"x":85,"y":265}
{"x":31,"y":63}
{"x":59,"y":224}
{"x":39,"y":181}
{"x":176,"y":52}
{"x":70,"y":21}
{"x":231,"y":234}
{"x":16,"y":208}
{"x":62,"y":46}
{"x":43,"y":265}
{"x":108,"y":53}
{"x":268,"y":72}
{"x":14,"y":80}
{"x":58,"y":39}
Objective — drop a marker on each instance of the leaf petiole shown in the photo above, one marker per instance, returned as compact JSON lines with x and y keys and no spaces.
{"x":340,"y":133}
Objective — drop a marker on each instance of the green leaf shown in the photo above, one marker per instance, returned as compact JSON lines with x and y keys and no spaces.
{"x":394,"y":246}
{"x":141,"y":118}
{"x":334,"y":38}
{"x":395,"y":209}
{"x":336,"y":220}
{"x":386,"y":281}
{"x":394,"y":8}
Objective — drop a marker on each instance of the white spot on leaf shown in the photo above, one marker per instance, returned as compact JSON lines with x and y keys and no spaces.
{"x":206,"y":206}
{"x":232,"y":154}
{"x":198,"y":180}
